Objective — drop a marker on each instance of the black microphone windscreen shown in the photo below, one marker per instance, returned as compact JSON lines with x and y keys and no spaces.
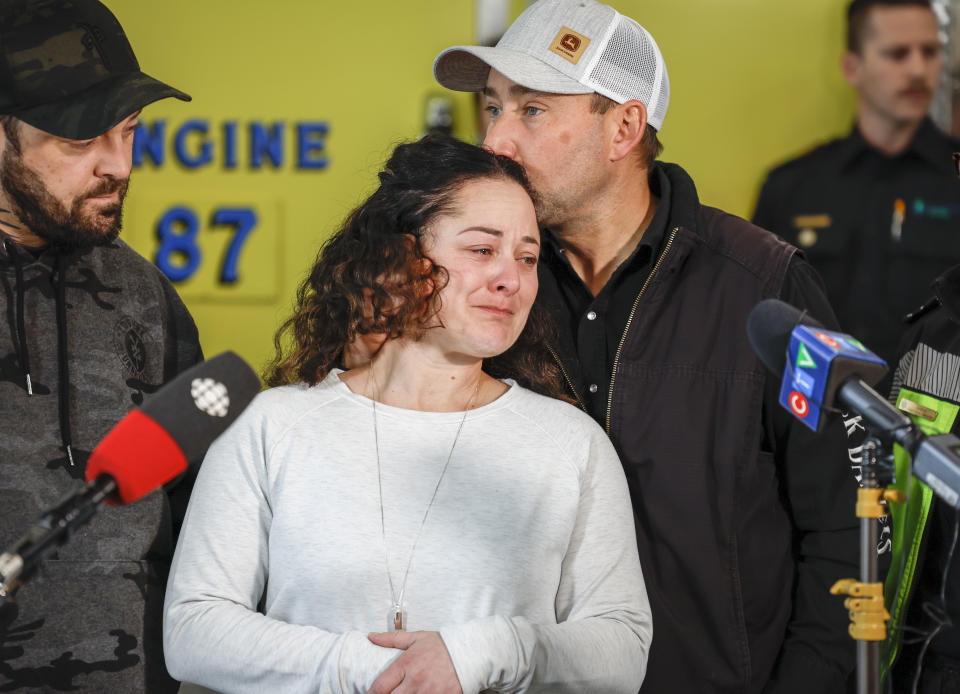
{"x":200,"y":403}
{"x":769,"y":327}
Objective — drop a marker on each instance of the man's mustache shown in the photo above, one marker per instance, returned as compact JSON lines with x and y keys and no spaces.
{"x":918,"y":86}
{"x":108,"y":186}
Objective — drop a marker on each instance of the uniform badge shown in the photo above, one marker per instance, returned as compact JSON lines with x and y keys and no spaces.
{"x":807,"y":226}
{"x":911,"y":407}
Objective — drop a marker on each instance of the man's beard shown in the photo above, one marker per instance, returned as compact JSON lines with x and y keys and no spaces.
{"x":549,"y":213}
{"x":49,"y":218}
{"x":553,"y":208}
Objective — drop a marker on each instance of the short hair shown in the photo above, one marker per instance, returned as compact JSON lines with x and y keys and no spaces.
{"x":858,"y":16}
{"x":373,"y":276}
{"x":649,"y":147}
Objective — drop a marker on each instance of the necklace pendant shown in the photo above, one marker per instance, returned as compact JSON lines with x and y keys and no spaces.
{"x":395,"y":620}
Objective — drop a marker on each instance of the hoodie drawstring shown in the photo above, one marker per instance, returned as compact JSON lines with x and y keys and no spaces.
{"x":62,"y":362}
{"x":63,"y":403}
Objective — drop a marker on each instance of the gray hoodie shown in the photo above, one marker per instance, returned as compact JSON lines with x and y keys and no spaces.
{"x":93,"y":345}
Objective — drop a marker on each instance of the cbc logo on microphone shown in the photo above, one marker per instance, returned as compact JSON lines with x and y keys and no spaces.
{"x":210,"y":396}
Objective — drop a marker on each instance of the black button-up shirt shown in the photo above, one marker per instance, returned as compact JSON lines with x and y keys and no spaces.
{"x":597,"y":322}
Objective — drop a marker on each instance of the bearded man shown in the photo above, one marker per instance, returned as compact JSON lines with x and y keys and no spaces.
{"x":89,"y":327}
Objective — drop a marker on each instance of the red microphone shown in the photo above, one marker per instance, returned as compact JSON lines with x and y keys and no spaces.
{"x":159,"y":459}
{"x":146,"y":449}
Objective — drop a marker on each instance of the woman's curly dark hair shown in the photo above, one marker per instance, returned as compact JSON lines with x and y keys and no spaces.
{"x":372,"y":275}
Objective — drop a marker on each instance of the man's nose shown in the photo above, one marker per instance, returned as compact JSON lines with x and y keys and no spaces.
{"x":500,"y":140}
{"x":115,"y":158}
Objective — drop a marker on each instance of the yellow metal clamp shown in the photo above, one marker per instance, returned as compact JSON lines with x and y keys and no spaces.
{"x":868,"y":501}
{"x":867,"y":613}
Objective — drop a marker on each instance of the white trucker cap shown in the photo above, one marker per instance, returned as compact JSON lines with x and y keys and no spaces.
{"x":568,"y":47}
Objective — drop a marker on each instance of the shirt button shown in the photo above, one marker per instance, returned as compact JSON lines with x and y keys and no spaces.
{"x":592,"y":315}
{"x":593,"y":388}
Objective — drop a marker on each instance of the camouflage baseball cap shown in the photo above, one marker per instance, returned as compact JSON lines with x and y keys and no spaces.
{"x":66,"y":67}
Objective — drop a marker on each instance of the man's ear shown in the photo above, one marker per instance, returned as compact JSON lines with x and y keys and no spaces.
{"x":628,"y":122}
{"x":850,"y":66}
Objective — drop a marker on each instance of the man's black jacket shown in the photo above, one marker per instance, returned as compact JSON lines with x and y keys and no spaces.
{"x":744,"y":518}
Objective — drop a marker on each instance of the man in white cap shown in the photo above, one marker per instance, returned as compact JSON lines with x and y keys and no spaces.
{"x":744,"y":518}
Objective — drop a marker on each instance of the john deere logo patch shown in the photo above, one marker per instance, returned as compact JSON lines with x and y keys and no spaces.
{"x":569,"y":44}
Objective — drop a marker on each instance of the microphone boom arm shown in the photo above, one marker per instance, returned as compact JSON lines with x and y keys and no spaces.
{"x":51,"y":530}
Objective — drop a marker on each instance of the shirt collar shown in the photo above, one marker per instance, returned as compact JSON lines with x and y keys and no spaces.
{"x":934,"y":146}
{"x":947,"y":287}
{"x":928,"y":143}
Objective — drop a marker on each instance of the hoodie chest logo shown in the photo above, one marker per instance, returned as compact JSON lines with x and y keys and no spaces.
{"x":129,"y":345}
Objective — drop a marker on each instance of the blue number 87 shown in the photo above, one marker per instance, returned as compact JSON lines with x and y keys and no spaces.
{"x":179,"y":256}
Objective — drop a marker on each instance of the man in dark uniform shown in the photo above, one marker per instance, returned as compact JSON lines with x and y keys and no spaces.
{"x":877,"y":212}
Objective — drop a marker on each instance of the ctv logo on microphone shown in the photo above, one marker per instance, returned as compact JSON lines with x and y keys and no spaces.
{"x":812,"y":354}
{"x":802,"y":389}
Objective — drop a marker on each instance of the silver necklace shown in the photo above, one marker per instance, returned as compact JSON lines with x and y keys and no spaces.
{"x":396,"y":620}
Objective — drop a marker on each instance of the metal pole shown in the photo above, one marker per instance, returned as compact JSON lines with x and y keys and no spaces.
{"x":868,"y":652}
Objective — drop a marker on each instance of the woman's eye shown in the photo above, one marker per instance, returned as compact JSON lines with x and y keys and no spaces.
{"x":529,"y":260}
{"x":483,"y":251}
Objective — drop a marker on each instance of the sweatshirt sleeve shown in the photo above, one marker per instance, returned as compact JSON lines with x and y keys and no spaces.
{"x":213,"y":634}
{"x":604,"y":628}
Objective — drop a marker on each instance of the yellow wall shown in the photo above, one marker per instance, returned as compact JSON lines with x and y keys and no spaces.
{"x":361,"y":67}
{"x":753,"y":81}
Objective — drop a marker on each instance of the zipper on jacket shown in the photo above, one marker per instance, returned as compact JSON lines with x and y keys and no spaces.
{"x":566,"y":377}
{"x":626,"y":328}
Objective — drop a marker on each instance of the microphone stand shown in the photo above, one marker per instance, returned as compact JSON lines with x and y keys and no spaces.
{"x":868,"y":615}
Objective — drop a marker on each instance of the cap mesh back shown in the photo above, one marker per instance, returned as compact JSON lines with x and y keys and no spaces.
{"x":631,"y":67}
